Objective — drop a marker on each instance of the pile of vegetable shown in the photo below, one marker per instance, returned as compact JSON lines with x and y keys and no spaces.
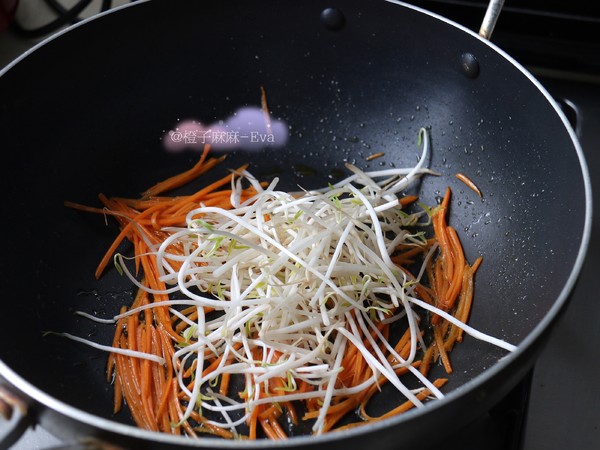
{"x":260,"y":309}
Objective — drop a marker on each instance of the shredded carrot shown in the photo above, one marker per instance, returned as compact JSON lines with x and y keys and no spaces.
{"x":462,"y":177}
{"x":373,"y":156}
{"x":179,"y":179}
{"x":151,"y":391}
{"x":408,"y":200}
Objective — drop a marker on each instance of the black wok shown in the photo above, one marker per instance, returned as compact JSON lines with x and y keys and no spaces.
{"x":85,"y":113}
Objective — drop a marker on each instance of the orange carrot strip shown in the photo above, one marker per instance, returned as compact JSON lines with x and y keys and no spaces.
{"x":131,"y":388}
{"x":253,"y":422}
{"x":373,"y":156}
{"x":146,"y":370}
{"x":110,"y":365}
{"x":439,"y":342}
{"x":276,"y":427}
{"x":426,"y":361}
{"x":456,"y":281}
{"x":90,"y":209}
{"x":468,"y":301}
{"x":165,"y":345}
{"x":272,"y":410}
{"x":438,"y":383}
{"x":179,"y":179}
{"x":462,"y":177}
{"x":207,"y":427}
{"x":408,"y":200}
{"x":180,"y":414}
{"x":476,"y":264}
{"x":268,"y":429}
{"x":112,"y":249}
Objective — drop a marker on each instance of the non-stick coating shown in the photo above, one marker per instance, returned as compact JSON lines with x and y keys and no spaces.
{"x":85,"y":114}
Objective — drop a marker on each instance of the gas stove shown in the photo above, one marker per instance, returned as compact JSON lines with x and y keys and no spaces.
{"x":557,"y":405}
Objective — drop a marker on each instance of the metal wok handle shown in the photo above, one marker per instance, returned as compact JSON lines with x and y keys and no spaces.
{"x":491,"y":17}
{"x":14,"y":411}
{"x":15,"y":420}
{"x":14,"y":414}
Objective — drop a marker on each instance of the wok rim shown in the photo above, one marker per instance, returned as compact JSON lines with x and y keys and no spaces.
{"x":113,"y":427}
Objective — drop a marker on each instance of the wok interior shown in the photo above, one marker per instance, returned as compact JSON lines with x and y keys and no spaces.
{"x":79,"y":122}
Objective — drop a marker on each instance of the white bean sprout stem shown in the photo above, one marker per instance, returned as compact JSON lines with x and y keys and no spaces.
{"x":300,"y":276}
